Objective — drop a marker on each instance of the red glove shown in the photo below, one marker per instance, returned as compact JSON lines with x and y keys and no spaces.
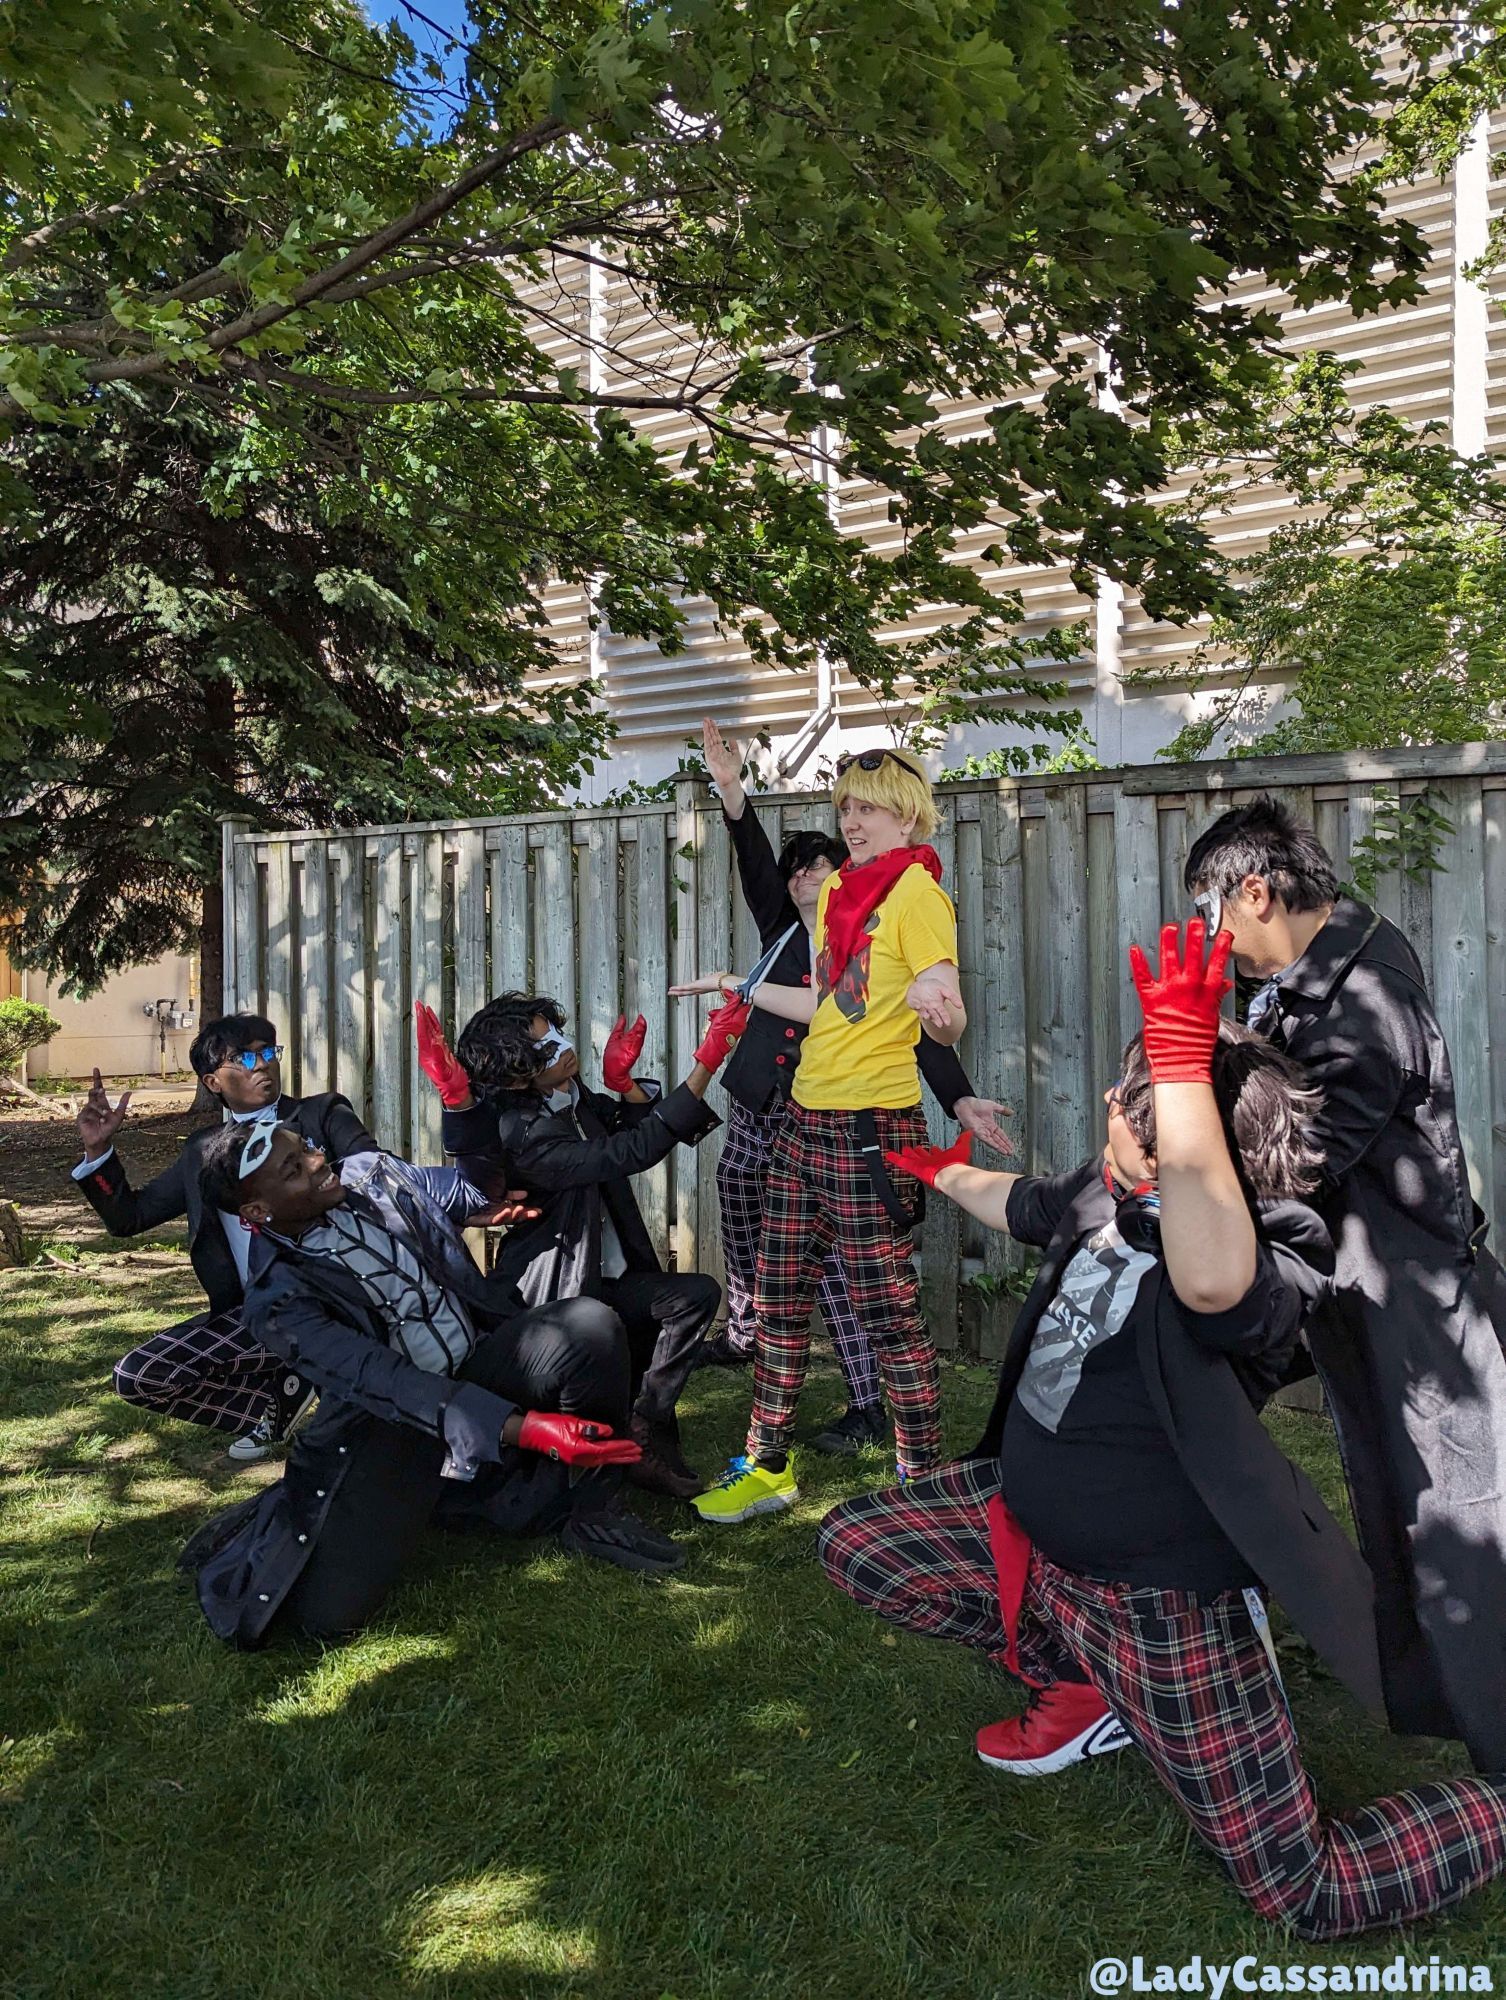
{"x":624,"y":1046}
{"x":722,"y":1030}
{"x":926,"y":1162}
{"x":438,"y":1062}
{"x":1181,"y":1006}
{"x":576,"y":1440}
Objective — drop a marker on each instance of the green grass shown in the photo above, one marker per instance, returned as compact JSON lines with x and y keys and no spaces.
{"x":542,"y":1777}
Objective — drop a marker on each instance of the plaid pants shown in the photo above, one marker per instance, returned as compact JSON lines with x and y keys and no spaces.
{"x":821,"y":1202}
{"x":742,"y":1185}
{"x":206,"y":1371}
{"x":1188,"y":1677}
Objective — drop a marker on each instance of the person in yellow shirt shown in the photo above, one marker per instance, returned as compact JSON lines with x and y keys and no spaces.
{"x":886,"y":973}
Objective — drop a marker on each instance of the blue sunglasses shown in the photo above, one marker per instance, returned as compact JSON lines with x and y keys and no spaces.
{"x":249,"y":1058}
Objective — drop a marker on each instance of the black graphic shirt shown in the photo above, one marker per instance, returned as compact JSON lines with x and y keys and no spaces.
{"x":1089,"y":1471}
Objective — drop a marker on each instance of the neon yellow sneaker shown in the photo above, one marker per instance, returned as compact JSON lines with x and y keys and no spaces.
{"x":746,"y":1489}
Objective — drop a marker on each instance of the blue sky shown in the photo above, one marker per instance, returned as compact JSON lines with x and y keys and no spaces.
{"x":448,"y":17}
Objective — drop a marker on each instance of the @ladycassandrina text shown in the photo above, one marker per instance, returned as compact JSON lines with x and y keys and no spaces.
{"x":1255,"y":1975}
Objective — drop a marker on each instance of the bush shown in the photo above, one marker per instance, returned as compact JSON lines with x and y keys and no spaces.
{"x":23,"y":1026}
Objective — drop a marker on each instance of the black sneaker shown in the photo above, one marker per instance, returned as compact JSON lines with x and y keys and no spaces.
{"x":720,"y":1353}
{"x":294,"y":1399}
{"x":613,"y":1535}
{"x":861,"y":1424}
{"x":662,"y":1468}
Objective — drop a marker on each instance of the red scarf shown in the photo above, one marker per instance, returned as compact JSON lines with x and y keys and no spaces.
{"x":858,"y":892}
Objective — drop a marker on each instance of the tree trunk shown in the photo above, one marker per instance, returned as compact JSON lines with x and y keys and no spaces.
{"x":211,"y":970}
{"x":212,"y":951}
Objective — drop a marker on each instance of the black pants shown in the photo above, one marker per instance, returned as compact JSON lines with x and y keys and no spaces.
{"x":666,"y":1315}
{"x":571,"y":1356}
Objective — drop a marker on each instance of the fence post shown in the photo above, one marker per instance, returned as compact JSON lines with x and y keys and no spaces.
{"x":684,"y":877}
{"x":244,"y":922}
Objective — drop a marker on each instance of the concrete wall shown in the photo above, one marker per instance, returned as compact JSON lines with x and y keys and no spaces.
{"x":109,"y":1028}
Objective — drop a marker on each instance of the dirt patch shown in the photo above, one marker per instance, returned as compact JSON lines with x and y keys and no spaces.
{"x":38,"y":1149}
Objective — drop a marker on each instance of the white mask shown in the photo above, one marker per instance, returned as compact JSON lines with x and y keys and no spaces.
{"x":555,"y":1045}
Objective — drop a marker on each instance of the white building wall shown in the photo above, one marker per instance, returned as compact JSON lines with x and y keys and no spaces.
{"x":110,"y":1030}
{"x":1439,"y":360}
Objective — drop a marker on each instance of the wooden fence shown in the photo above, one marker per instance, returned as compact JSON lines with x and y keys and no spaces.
{"x":336,"y":935}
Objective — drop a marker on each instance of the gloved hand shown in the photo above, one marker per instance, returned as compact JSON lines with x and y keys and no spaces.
{"x":438,"y":1062}
{"x":727,"y":1022}
{"x":576,"y":1440}
{"x":1181,"y":1004}
{"x":624,"y":1046}
{"x":926,"y":1162}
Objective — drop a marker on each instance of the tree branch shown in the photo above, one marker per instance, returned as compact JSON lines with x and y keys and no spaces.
{"x":379,"y":244}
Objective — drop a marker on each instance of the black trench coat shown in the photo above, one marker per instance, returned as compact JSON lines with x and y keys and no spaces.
{"x":1409,"y":1344}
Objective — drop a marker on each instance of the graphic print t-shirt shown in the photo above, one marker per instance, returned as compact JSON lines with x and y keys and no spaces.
{"x":1087,"y":1467}
{"x":860,"y":1052}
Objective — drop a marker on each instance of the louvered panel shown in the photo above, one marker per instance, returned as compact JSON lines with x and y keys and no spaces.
{"x":660,"y":698}
{"x":1495,"y":289}
{"x":1047,"y":598}
{"x":1405,"y":357}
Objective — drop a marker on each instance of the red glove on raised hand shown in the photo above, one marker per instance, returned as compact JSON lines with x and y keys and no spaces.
{"x":722,"y":1030}
{"x":926,"y":1162}
{"x":576,"y":1440}
{"x":624,"y":1046}
{"x":438,"y":1062}
{"x":1181,"y":1004}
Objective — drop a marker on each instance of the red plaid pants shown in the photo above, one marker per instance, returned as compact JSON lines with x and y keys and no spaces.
{"x":1189,"y":1678}
{"x":821,"y":1201}
{"x":741,"y":1176}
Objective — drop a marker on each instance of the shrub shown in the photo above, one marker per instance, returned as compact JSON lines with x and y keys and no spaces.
{"x":23,"y":1026}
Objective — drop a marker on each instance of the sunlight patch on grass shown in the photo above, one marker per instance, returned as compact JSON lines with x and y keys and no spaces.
{"x":486,"y":1924}
{"x":23,"y":1759}
{"x":727,"y":1630}
{"x":346,"y":1671}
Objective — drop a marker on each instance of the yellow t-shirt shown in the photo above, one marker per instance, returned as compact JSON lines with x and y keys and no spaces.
{"x":860,"y":1052}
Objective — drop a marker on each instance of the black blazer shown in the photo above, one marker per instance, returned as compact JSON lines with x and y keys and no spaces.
{"x":126,"y":1211}
{"x":762,"y":1066}
{"x":1208,"y":1398}
{"x":573,"y":1164}
{"x":317,"y":1318}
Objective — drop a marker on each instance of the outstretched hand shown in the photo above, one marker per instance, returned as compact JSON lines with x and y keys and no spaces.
{"x":1181,"y":1003}
{"x":438,"y":1062}
{"x":936,"y":996}
{"x":97,"y":1122}
{"x":926,"y":1162}
{"x":576,"y":1440}
{"x":981,"y":1116}
{"x":708,"y":982}
{"x":513,"y":1207}
{"x":624,"y":1046}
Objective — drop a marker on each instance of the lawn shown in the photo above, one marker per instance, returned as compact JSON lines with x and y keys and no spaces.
{"x":543,"y":1777}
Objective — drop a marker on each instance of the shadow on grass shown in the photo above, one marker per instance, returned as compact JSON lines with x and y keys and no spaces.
{"x":541,"y":1776}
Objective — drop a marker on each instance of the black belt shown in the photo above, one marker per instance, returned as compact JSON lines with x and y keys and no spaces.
{"x":872,"y":1149}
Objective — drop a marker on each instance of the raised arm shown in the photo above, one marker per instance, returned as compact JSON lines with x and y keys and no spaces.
{"x":102,"y":1178}
{"x":1207,"y":1232}
{"x":765,"y":890}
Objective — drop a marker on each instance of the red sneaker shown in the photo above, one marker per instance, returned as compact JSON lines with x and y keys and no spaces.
{"x":1063,"y":1724}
